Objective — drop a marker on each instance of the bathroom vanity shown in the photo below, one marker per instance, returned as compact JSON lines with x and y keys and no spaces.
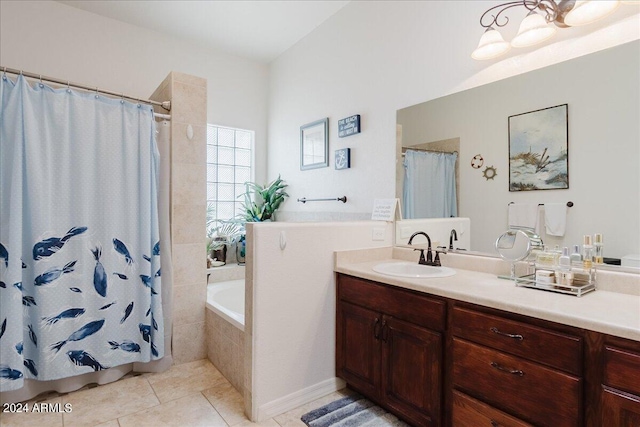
{"x":474,"y":350}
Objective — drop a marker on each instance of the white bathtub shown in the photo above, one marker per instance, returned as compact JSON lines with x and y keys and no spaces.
{"x":227,"y":300}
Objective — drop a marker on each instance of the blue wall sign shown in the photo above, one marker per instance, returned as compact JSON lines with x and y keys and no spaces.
{"x":349,"y":126}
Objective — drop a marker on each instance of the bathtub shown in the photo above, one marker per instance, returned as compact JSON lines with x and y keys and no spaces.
{"x":226,"y":299}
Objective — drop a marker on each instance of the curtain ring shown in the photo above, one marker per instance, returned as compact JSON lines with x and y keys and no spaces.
{"x":41,"y":84}
{"x":97,"y":96}
{"x":122,"y":98}
{"x":68,"y":87}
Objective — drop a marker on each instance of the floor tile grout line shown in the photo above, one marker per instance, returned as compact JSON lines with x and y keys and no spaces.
{"x":214,"y":408}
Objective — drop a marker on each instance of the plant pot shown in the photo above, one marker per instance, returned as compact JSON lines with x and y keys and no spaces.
{"x":219,"y":254}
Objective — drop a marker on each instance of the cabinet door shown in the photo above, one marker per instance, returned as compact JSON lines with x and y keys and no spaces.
{"x":411,"y":371}
{"x":358,"y":348}
{"x":620,"y":409}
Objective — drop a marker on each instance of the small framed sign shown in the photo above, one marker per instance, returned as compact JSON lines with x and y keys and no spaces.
{"x":349,"y":126}
{"x":343,"y":158}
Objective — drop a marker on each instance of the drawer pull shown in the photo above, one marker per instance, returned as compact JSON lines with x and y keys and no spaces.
{"x":504,"y":334}
{"x":385,"y":327}
{"x":494,"y":423}
{"x":499,"y":367}
{"x":376,"y":329}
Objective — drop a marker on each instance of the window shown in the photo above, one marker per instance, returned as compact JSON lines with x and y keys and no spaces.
{"x":229,"y":166}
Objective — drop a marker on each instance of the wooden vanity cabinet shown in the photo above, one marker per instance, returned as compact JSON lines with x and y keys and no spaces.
{"x":620,"y":389}
{"x":530,"y":372}
{"x":437,"y":361}
{"x":389,"y":347}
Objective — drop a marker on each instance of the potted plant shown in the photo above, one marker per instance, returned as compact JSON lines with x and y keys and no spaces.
{"x":220,"y":235}
{"x":223,"y":236}
{"x":261,"y":202}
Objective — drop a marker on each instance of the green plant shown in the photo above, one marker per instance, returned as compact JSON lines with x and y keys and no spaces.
{"x":225,"y":233}
{"x":261,"y":202}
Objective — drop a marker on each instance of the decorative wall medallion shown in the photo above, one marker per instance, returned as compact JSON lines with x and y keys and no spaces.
{"x":489,"y":173}
{"x":477,"y":161}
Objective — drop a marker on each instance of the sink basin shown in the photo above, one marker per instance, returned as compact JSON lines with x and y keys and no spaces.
{"x":412,"y":269}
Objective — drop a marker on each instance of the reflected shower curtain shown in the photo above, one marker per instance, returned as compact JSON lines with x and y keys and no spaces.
{"x":80,"y":276}
{"x":429,"y":189}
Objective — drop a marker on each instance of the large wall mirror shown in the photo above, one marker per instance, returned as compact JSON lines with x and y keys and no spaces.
{"x":602,"y":91}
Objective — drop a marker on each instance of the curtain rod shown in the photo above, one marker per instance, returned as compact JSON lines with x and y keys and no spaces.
{"x":427,"y":151}
{"x":165,"y":104}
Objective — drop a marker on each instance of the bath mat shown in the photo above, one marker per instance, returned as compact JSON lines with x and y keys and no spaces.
{"x":351,"y":411}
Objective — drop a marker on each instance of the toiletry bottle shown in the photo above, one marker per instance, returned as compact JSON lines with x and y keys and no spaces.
{"x":564,"y":276}
{"x":564,"y":261}
{"x":545,"y":259}
{"x":576,"y":257}
{"x":597,"y":246}
{"x":587,"y":252}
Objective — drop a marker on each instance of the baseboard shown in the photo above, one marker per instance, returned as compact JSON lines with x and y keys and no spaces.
{"x":299,"y":398}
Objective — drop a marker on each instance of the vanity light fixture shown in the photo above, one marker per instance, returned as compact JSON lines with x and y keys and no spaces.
{"x":536,"y":26}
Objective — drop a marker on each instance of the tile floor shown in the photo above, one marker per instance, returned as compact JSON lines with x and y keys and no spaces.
{"x":189,"y":395}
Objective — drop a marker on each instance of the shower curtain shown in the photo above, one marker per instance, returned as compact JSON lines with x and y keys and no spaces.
{"x":80,"y":268}
{"x":429,"y":189}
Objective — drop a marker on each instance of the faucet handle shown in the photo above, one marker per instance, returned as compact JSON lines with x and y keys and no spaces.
{"x":422,"y":259}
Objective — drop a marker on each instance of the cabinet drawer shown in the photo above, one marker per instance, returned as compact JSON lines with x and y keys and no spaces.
{"x":540,"y":345}
{"x":622,"y":370}
{"x":399,"y":303}
{"x":469,"y":412}
{"x":535,"y":393}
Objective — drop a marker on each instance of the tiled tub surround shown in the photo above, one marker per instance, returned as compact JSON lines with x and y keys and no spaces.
{"x":225,"y":342}
{"x":188,"y":96}
{"x":613,"y":309}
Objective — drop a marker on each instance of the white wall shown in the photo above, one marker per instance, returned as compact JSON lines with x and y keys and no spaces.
{"x":294,"y":311}
{"x":56,"y":40}
{"x":372,"y":58}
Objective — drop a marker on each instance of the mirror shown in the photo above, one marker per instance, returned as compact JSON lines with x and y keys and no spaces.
{"x":602,"y":92}
{"x":517,"y":244}
{"x":314,"y":145}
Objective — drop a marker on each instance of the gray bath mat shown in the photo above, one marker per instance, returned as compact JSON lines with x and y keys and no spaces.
{"x":351,"y":411}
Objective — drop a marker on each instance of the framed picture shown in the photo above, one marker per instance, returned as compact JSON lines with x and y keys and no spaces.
{"x":314,"y":145}
{"x":539,"y":150}
{"x":343,"y":158}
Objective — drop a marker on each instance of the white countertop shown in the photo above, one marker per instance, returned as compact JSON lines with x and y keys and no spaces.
{"x":602,"y":311}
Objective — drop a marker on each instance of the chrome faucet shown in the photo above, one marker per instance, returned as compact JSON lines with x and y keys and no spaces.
{"x":428,"y":260}
{"x":452,"y":236}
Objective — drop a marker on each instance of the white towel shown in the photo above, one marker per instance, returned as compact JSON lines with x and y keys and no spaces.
{"x":523,"y":215}
{"x":555,"y":218}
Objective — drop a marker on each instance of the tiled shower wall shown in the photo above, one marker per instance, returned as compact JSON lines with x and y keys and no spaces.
{"x":188,"y":95}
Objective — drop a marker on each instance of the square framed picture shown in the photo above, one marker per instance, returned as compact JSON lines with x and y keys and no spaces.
{"x":539,"y":150}
{"x":343,"y":158}
{"x":314,"y":145}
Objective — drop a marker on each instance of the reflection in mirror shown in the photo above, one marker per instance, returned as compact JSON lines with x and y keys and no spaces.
{"x":314,"y":145}
{"x":601,"y":90}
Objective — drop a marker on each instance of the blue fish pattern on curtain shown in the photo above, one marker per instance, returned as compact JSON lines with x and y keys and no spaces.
{"x":78,"y":213}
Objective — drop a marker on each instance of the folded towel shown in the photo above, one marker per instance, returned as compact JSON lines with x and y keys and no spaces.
{"x":523,"y":215}
{"x":555,"y":218}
